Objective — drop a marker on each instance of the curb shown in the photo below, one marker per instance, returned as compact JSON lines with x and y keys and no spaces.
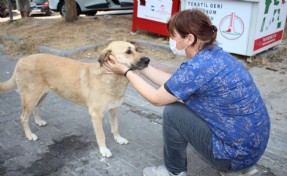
{"x":45,"y":49}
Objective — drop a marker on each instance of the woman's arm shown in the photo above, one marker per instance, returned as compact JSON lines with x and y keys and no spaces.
{"x":157,"y":76}
{"x":158,"y":97}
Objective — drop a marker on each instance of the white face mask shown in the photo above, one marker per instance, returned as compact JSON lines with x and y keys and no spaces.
{"x":172,"y":45}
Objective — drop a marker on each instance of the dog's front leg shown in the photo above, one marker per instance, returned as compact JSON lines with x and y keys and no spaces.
{"x":113,"y":116}
{"x":100,"y":135}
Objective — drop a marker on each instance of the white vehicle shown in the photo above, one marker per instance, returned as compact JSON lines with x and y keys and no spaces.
{"x":90,"y":7}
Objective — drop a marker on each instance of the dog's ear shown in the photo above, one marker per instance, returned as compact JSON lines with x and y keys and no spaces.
{"x":104,"y":56}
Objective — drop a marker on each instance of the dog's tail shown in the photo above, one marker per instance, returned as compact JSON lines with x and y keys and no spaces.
{"x":9,"y":84}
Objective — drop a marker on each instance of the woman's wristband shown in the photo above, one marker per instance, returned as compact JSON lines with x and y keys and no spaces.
{"x":130,"y":69}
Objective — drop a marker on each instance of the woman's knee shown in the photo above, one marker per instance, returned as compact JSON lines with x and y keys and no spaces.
{"x":169,"y":112}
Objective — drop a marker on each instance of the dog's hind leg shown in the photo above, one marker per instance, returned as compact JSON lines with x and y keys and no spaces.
{"x":24,"y":118}
{"x":97,"y":118}
{"x":29,"y":103}
{"x":113,"y":117}
{"x":38,"y":120}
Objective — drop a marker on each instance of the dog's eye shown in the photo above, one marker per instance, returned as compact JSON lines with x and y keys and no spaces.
{"x":129,"y":52}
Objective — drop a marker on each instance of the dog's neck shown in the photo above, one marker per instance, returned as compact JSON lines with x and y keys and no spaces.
{"x":121,"y":79}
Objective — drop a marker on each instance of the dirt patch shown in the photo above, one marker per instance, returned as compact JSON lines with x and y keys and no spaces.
{"x":23,"y":36}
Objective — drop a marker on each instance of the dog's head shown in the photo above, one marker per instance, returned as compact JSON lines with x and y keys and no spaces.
{"x":126,"y":53}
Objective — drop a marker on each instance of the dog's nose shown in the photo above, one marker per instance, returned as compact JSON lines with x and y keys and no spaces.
{"x":145,"y":60}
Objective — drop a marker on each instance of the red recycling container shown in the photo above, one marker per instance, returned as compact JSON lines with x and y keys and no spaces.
{"x":152,"y":15}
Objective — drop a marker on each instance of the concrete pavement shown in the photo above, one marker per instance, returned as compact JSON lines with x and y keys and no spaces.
{"x":67,"y":145}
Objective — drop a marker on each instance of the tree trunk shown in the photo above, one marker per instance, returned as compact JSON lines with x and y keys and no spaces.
{"x":24,"y":8}
{"x":71,"y":11}
{"x":10,"y":9}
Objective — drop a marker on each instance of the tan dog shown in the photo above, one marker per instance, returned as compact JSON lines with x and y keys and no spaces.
{"x":86,"y":84}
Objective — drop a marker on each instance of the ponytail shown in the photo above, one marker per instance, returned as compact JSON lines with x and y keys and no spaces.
{"x":213,"y":30}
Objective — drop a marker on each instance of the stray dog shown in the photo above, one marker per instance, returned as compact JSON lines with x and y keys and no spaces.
{"x":86,"y":84}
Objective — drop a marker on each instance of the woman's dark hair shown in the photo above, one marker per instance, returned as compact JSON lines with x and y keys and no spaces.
{"x":194,"y":22}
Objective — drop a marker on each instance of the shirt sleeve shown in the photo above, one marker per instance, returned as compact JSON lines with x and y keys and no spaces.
{"x":189,"y":78}
{"x":167,"y":89}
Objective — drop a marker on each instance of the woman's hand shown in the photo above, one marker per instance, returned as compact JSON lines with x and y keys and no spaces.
{"x":112,"y":66}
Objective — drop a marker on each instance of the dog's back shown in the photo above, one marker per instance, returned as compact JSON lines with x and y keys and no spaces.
{"x":50,"y":72}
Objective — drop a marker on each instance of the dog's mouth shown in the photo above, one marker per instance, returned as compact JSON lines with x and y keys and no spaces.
{"x":141,"y":64}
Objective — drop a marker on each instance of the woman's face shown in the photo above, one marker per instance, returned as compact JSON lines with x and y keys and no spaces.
{"x":185,"y":43}
{"x":180,"y":42}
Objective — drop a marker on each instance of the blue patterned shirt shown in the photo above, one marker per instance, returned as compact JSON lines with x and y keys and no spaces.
{"x":220,"y":90}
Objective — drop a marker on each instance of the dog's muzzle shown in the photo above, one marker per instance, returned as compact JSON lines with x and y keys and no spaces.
{"x":143,"y":63}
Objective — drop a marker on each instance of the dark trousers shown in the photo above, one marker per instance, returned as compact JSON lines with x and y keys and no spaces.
{"x":180,"y":127}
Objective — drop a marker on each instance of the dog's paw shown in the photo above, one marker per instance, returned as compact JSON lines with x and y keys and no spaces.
{"x":121,"y":140}
{"x":32,"y":137}
{"x":105,"y":152}
{"x":41,"y":123}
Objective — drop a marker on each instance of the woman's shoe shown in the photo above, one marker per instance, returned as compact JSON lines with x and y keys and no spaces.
{"x":245,"y":172}
{"x":160,"y":171}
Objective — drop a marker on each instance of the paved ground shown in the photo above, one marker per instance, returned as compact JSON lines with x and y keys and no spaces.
{"x":67,"y":146}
